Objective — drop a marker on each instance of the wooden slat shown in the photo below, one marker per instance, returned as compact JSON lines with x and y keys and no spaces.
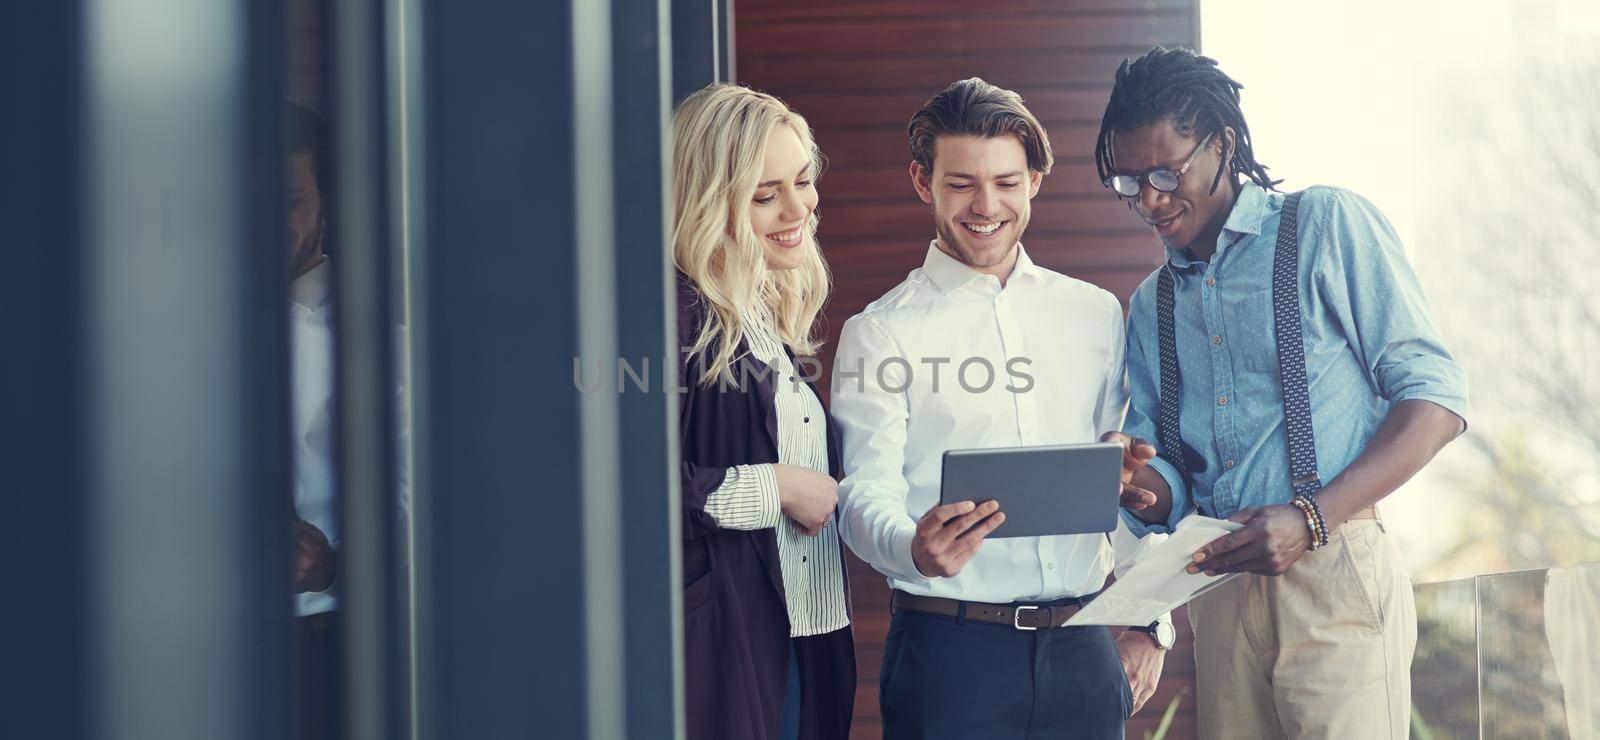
{"x":1023,"y":72}
{"x":828,"y":111}
{"x":768,"y":11}
{"x":922,"y":37}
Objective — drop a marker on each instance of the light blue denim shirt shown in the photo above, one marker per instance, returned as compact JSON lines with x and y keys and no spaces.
{"x":1369,"y":338}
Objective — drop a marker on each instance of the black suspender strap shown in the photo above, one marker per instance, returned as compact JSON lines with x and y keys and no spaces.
{"x":1171,"y":386}
{"x":1292,"y":352}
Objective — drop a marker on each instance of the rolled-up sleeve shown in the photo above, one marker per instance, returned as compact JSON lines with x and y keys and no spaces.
{"x":747,"y":499}
{"x":1379,"y":301}
{"x":872,"y":423}
{"x":1144,"y":403}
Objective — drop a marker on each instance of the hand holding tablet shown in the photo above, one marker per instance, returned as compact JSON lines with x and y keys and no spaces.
{"x":1040,"y":491}
{"x":949,"y":535}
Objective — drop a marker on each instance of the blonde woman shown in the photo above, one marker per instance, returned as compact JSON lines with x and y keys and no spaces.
{"x":767,"y":645}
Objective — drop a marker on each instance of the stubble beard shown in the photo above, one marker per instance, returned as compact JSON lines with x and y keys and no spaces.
{"x":949,"y":232}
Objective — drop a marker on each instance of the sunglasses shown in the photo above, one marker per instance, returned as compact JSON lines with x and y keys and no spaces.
{"x":1161,"y":178}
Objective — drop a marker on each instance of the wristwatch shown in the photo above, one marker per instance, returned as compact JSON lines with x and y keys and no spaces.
{"x":1163,"y":633}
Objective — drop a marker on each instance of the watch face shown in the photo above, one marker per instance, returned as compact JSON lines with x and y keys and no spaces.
{"x":1166,"y":635}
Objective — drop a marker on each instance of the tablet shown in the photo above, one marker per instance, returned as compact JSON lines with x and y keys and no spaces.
{"x":1044,"y":490}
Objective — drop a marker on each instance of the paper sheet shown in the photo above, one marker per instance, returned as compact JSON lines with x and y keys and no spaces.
{"x":1157,"y":583}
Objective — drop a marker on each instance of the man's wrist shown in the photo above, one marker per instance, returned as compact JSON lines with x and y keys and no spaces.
{"x":909,"y":547}
{"x":1163,"y":634}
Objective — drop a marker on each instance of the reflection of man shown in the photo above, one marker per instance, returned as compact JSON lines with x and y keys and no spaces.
{"x":1571,"y":601}
{"x":1266,"y":362}
{"x":975,"y":646}
{"x":317,"y":534}
{"x":315,"y":553}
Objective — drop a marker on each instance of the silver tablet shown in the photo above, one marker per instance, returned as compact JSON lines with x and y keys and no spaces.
{"x":1045,"y":490}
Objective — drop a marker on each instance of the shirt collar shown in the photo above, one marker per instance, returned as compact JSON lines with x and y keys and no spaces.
{"x":1250,"y":209}
{"x":949,"y":274}
{"x":314,"y":289}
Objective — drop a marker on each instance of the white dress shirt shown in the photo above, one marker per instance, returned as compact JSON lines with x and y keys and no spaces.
{"x":813,"y":573}
{"x":311,"y":351}
{"x":909,"y":383}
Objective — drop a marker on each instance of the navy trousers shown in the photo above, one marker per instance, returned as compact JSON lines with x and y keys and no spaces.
{"x":945,"y":677}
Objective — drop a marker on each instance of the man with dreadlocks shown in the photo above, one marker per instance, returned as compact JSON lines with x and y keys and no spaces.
{"x":1284,"y":363}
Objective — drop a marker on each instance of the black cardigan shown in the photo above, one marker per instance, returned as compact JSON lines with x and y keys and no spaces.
{"x":735,"y":620}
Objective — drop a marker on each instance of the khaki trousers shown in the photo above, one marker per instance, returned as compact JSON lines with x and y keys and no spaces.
{"x":1322,"y":651}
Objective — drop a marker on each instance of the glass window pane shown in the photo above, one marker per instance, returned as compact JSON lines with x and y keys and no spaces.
{"x":1521,"y":694}
{"x":1444,"y":673}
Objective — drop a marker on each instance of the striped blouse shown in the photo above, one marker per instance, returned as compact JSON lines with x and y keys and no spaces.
{"x":813,"y":574}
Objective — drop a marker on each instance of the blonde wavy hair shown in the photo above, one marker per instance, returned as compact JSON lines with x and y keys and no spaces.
{"x":719,"y":139}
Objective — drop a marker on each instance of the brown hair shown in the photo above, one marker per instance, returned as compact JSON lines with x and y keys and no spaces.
{"x":973,"y":107}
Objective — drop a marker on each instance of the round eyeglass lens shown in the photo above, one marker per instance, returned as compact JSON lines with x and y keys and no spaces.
{"x":1126,"y":186}
{"x":1164,"y":180}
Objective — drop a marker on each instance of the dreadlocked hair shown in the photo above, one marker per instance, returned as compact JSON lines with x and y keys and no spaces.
{"x":1189,"y":90}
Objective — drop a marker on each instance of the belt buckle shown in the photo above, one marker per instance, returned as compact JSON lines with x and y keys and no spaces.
{"x":1016,"y":618}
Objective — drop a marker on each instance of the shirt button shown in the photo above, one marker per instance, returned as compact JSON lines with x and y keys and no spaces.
{"x":1216,"y":339}
{"x":802,"y":558}
{"x":806,"y":420}
{"x":1211,"y":281}
{"x":1228,"y":465}
{"x":1050,"y":566}
{"x":1222,"y":401}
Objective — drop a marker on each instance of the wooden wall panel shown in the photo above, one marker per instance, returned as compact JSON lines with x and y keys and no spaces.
{"x":306,"y":51}
{"x":858,"y":69}
{"x":796,"y":38}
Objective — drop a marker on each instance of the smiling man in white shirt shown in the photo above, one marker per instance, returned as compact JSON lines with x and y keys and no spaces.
{"x":980,"y":347}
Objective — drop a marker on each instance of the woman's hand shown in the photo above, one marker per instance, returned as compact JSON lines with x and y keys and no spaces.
{"x":806,"y":496}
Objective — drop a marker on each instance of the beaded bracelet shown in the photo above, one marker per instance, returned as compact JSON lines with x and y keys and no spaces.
{"x":1314,"y":521}
{"x":1311,"y":522}
{"x":1322,"y":521}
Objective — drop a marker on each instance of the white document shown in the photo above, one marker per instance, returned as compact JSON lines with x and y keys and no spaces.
{"x":1158,"y":583}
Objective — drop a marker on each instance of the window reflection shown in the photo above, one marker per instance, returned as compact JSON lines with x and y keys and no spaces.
{"x":316,"y":535}
{"x":351,"y":543}
{"x":1571,"y":602}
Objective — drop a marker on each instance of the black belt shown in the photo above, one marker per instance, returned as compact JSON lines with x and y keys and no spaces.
{"x":1019,"y":616}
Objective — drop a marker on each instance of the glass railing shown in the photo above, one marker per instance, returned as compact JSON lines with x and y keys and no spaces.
{"x":1509,"y":655}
